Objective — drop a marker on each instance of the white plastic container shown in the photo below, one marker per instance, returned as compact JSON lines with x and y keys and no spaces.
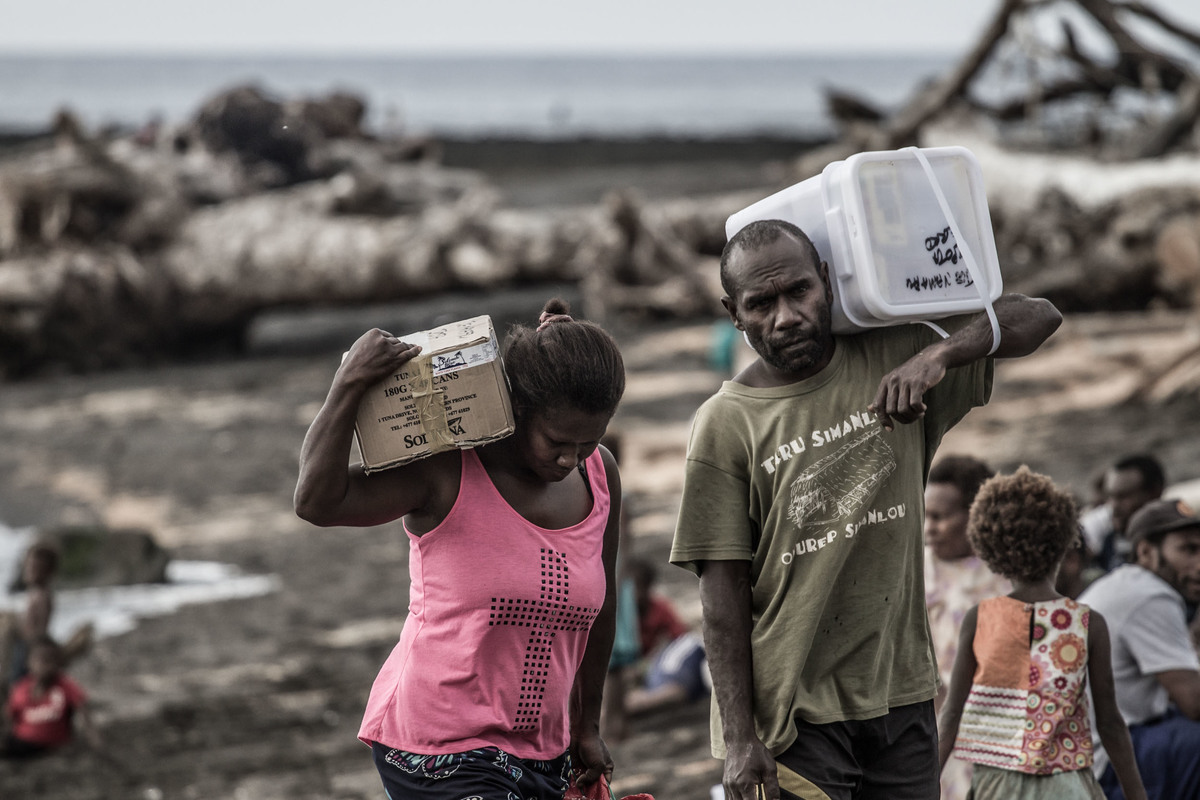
{"x":906,"y":234}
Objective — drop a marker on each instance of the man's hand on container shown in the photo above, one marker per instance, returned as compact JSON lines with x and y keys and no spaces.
{"x":901,"y":395}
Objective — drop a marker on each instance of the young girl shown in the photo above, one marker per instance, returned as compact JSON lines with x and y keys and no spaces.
{"x":1017,"y":707}
{"x":494,"y":690}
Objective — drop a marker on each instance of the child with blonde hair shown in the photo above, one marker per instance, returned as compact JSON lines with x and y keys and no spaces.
{"x":1018,"y":703}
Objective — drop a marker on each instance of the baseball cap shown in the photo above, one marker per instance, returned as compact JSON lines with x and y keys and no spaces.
{"x":1161,"y":516}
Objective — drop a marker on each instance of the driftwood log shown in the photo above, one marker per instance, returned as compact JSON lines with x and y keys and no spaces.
{"x":115,"y":252}
{"x":1109,"y":257}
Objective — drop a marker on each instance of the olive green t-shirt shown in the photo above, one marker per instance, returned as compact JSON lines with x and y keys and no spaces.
{"x":804,"y":483}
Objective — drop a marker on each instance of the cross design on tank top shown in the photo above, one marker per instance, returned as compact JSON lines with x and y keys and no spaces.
{"x":545,"y":617}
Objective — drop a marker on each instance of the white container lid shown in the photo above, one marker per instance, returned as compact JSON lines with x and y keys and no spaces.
{"x":893,"y":255}
{"x":895,"y":252}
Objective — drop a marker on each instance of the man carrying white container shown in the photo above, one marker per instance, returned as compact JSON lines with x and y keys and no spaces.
{"x":802,"y":515}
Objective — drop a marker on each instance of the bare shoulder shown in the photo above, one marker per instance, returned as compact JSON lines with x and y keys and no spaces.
{"x":1096,"y":624}
{"x":610,"y":461}
{"x":612,"y":470}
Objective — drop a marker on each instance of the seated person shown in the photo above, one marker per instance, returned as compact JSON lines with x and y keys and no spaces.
{"x":44,"y":705}
{"x":1156,"y":671}
{"x":672,"y":668}
{"x":1128,"y":484}
{"x":37,"y":575}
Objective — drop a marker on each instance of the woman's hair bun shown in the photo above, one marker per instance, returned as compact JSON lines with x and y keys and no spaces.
{"x":556,"y":305}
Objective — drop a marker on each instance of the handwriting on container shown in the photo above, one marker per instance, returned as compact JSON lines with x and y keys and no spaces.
{"x":940,"y":253}
{"x":942,"y":280}
{"x":932,"y":242}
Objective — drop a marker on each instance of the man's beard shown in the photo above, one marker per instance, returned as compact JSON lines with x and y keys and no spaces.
{"x":795,"y":362}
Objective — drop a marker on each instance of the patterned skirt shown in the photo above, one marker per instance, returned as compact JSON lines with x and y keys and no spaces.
{"x":487,"y":773}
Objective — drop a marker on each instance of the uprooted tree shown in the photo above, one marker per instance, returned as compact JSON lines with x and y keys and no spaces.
{"x":1084,"y":68}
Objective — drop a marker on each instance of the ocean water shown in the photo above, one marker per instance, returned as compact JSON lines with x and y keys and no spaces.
{"x":114,"y":610}
{"x":536,"y":97}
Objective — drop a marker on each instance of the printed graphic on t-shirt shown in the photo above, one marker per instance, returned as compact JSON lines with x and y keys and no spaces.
{"x":545,"y":617}
{"x":837,"y":488}
{"x":840,"y":484}
{"x":49,"y":710}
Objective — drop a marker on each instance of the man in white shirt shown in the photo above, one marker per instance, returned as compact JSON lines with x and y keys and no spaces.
{"x":1156,"y":670}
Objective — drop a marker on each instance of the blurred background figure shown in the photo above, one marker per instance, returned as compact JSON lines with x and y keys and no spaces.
{"x":670,"y":669}
{"x":45,"y":709}
{"x":955,"y":578}
{"x":19,"y":631}
{"x":1131,"y":482}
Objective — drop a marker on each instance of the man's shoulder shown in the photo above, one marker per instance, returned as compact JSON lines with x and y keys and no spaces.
{"x":890,"y":345}
{"x":1124,"y":590}
{"x":731,"y":399}
{"x":898,"y":335}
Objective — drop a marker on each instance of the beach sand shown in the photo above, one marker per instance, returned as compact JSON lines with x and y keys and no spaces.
{"x":261,"y":698}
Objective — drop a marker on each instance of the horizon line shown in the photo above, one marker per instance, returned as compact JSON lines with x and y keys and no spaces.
{"x":455,"y":53}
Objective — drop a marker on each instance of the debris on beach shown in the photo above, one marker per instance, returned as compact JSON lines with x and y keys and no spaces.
{"x":139,"y":248}
{"x":131,"y":249}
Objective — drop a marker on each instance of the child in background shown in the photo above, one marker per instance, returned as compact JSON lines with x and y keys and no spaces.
{"x":37,"y":576}
{"x":955,"y":578}
{"x":38,"y":572}
{"x":43,"y":706}
{"x":676,"y":670}
{"x":665,"y":665}
{"x":1017,"y":706}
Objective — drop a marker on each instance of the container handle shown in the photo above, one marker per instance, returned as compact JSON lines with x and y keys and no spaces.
{"x":968,"y":256}
{"x":937,"y":328}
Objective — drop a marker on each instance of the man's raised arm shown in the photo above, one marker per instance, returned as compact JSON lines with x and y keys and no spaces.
{"x":1025,"y":322}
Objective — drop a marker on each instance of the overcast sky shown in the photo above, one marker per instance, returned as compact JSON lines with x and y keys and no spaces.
{"x":401,"y":27}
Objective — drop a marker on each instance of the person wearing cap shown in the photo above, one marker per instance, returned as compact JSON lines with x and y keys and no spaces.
{"x":1156,"y":669}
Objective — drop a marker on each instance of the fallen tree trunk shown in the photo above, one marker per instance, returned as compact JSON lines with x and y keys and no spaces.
{"x":104,"y":305}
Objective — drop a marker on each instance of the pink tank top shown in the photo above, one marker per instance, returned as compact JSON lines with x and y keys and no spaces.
{"x":498,"y":617}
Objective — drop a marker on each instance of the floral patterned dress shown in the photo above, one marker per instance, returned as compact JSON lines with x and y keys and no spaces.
{"x":1027,"y":711}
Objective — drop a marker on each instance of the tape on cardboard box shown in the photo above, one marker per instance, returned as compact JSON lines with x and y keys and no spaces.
{"x":453,"y":395}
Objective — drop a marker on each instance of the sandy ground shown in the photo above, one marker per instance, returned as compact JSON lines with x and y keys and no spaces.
{"x":260,"y":698}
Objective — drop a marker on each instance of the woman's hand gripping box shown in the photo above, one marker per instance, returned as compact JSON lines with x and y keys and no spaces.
{"x":453,"y":395}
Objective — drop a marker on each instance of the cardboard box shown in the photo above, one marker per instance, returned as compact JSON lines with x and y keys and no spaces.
{"x":453,"y":395}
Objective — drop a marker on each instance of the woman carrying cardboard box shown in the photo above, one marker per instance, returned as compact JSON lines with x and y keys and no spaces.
{"x":495,"y":685}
